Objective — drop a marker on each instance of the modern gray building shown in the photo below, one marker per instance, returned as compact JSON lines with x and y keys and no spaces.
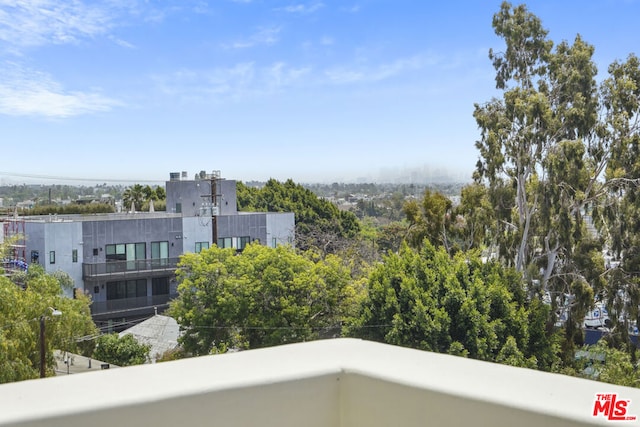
{"x":126,"y":261}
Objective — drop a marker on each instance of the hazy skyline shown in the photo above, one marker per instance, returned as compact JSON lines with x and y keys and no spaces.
{"x":316,"y":91}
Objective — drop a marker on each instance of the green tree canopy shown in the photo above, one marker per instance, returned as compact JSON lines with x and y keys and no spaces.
{"x":557,"y":150}
{"x":460,"y":305}
{"x":261,"y":297}
{"x":20,"y":314}
{"x":120,"y":351}
{"x":319,"y":223}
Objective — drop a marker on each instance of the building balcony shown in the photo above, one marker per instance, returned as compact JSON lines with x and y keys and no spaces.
{"x":130,"y":305}
{"x":128,"y":269}
{"x":341,"y":383}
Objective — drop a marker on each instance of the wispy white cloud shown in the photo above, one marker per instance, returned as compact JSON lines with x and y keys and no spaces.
{"x":302,"y":8}
{"x":351,"y":9}
{"x":121,"y":43}
{"x":247,"y":79}
{"x":326,"y":41}
{"x":41,"y":22}
{"x":26,"y":92}
{"x":263,"y":36}
{"x":367,"y":73}
{"x":240,"y":81}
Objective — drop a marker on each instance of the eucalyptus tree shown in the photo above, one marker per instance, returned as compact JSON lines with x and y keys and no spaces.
{"x":542,"y":154}
{"x":544,"y":149}
{"x":619,"y":217}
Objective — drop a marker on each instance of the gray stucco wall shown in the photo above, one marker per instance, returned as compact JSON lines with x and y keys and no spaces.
{"x":97,"y":234}
{"x":281,"y":228}
{"x":196,"y":229}
{"x":252,"y":224}
{"x":61,"y":238}
{"x":264,"y":226}
{"x":189,"y":195}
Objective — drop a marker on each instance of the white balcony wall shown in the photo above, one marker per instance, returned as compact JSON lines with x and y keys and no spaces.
{"x":343,"y":382}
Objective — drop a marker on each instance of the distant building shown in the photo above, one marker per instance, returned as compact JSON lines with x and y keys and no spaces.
{"x":126,"y":261}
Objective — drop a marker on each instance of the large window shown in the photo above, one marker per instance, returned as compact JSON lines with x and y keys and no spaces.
{"x":160,"y":286}
{"x":160,"y":252}
{"x":129,"y":252}
{"x":243,"y":241}
{"x":224,"y":242}
{"x":200,"y":246}
{"x":125,"y":251}
{"x":127,"y":289}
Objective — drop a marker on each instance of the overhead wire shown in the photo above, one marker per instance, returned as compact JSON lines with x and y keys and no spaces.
{"x":67,"y":178}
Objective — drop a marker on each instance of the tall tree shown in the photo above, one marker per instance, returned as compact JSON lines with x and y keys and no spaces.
{"x":133,"y":196}
{"x":261,"y":297}
{"x":426,"y":299}
{"x":21,"y":314}
{"x":319,"y":223}
{"x":543,"y":154}
{"x":619,"y":217}
{"x":541,"y":140}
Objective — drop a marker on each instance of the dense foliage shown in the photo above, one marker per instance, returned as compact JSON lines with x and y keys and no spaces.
{"x":319,"y":223}
{"x":20,"y":314}
{"x":261,"y":297}
{"x":120,"y":351}
{"x":72,"y":208}
{"x":460,"y":305}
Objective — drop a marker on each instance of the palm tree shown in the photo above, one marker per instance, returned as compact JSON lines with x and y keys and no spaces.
{"x":133,"y":196}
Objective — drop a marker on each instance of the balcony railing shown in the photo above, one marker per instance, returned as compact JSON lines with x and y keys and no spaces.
{"x":128,"y":268}
{"x":128,"y":304}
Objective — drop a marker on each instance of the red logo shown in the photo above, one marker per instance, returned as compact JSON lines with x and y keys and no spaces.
{"x":612,"y":408}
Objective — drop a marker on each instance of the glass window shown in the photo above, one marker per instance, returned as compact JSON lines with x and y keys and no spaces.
{"x":52,"y":257}
{"x":243,"y":241}
{"x":74,"y":255}
{"x":224,"y":242}
{"x":200,"y":246}
{"x":127,"y":289}
{"x":160,"y":286}
{"x":159,"y":250}
{"x":116,"y":252}
{"x":141,"y":250}
{"x":125,"y":252}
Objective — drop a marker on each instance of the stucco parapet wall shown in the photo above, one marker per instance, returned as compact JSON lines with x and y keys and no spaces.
{"x":341,"y":382}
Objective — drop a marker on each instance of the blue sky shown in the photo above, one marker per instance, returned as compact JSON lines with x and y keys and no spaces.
{"x":316,"y":91}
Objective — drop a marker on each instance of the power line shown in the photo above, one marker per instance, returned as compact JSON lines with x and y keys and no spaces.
{"x":67,"y":178}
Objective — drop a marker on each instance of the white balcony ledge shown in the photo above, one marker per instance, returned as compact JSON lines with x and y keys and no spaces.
{"x":342,"y":382}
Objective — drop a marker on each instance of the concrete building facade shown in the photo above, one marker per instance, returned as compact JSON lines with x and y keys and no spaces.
{"x":126,"y":261}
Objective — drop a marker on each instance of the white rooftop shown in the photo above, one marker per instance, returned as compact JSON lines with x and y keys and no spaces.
{"x":159,"y":332}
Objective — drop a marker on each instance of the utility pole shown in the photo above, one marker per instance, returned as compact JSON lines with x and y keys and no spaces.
{"x":215,"y":176}
{"x":43,"y":369}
